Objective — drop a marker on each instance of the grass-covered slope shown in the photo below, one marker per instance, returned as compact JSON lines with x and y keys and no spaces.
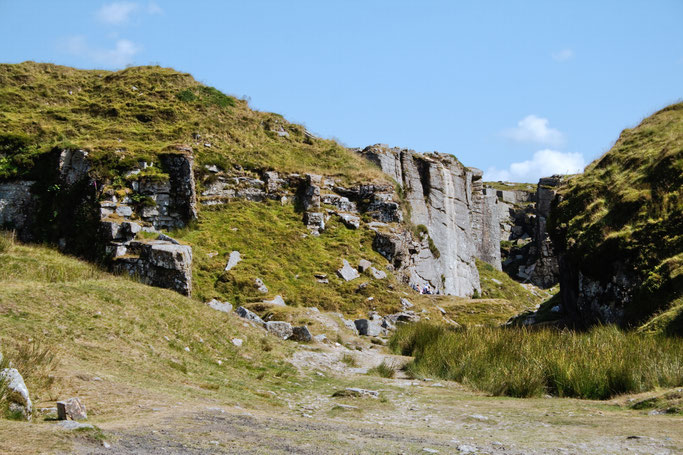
{"x":133,"y":114}
{"x":64,"y":322}
{"x":626,"y":211}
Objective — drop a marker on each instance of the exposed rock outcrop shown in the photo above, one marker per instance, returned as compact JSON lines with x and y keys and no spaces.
{"x":460,"y":222}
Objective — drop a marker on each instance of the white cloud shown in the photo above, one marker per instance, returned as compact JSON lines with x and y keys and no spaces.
{"x":535,"y":129}
{"x":544,"y":163}
{"x":119,"y":56}
{"x":563,"y":55}
{"x":117,"y":13}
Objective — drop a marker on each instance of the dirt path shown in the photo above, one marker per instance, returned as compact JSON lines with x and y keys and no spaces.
{"x":409,"y":417}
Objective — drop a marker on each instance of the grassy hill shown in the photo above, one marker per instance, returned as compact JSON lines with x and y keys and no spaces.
{"x":131,"y":115}
{"x":628,"y":207}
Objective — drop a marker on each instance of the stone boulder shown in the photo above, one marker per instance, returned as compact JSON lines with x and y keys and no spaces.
{"x":277,"y":300}
{"x":217,"y":305}
{"x":363,"y":265}
{"x":279,"y":328}
{"x":260,"y":286}
{"x":301,"y":333}
{"x":249,"y":315}
{"x":233,"y":260}
{"x":17,"y":392}
{"x":378,"y":274}
{"x":368,"y":328}
{"x":72,"y":409}
{"x":350,"y":221}
{"x":314,"y":221}
{"x":347,"y":272}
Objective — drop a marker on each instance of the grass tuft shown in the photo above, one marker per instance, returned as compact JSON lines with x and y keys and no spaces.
{"x":518,"y":362}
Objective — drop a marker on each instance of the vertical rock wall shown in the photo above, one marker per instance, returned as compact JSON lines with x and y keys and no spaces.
{"x":447,"y":199}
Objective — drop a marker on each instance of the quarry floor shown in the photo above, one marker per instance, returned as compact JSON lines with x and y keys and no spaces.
{"x":409,"y":417}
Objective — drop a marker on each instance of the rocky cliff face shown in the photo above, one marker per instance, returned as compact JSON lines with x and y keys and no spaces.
{"x":455,"y":219}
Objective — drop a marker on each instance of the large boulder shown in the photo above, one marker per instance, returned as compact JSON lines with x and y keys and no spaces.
{"x":17,"y":392}
{"x":367,"y":327}
{"x":281,"y":329}
{"x":301,"y":333}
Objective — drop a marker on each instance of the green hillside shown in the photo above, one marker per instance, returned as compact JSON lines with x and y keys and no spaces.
{"x":131,"y":115}
{"x":627,"y":208}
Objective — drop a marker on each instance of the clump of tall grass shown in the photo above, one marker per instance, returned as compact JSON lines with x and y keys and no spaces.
{"x":6,"y":241}
{"x":384,"y":370}
{"x":519,"y":362}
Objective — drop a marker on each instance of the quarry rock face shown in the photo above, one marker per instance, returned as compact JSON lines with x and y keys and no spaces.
{"x":461,"y":222}
{"x":546,"y":271}
{"x":16,"y":204}
{"x":159,"y":263}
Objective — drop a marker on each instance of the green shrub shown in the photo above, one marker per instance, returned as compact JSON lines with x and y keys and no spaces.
{"x":519,"y":362}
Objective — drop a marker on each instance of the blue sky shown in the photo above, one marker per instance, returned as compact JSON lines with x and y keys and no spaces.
{"x":519,"y":89}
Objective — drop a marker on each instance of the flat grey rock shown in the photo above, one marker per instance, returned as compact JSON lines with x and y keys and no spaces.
{"x":233,"y":260}
{"x":348,"y":273}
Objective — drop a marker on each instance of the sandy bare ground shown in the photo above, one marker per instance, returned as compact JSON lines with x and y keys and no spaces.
{"x":409,"y":417}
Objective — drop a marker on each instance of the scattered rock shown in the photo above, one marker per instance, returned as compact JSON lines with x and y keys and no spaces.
{"x":72,"y":409}
{"x":233,"y":260}
{"x":217,"y":305}
{"x":281,"y":329}
{"x":356,"y":392}
{"x":17,"y":391}
{"x":71,"y":425}
{"x":278,"y":300}
{"x":405,"y":303}
{"x":301,"y":333}
{"x":237,"y":342}
{"x":249,"y":315}
{"x":464,"y":448}
{"x":378,"y":274}
{"x":428,"y":450}
{"x":363,"y":265}
{"x":367,"y":328}
{"x":260,"y":286}
{"x":166,"y":238}
{"x":350,"y":221}
{"x":347,"y":272}
{"x":322,"y":338}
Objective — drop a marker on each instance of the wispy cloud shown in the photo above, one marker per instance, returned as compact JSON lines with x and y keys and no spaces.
{"x":117,"y":13}
{"x":543,"y":164}
{"x":563,"y":55}
{"x":535,"y":129}
{"x":119,"y":56}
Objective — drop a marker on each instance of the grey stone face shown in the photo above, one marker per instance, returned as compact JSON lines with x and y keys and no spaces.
{"x":17,"y":391}
{"x":279,"y":328}
{"x":378,"y":274}
{"x":217,"y":305}
{"x":233,"y":260}
{"x":15,"y":204}
{"x":364,"y":265}
{"x":368,"y":328}
{"x":441,"y":195}
{"x":249,"y":315}
{"x":302,"y":334}
{"x":347,"y":272}
{"x":72,"y":409}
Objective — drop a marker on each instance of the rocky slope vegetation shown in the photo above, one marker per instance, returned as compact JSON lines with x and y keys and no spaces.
{"x":108,"y":164}
{"x":618,"y":230}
